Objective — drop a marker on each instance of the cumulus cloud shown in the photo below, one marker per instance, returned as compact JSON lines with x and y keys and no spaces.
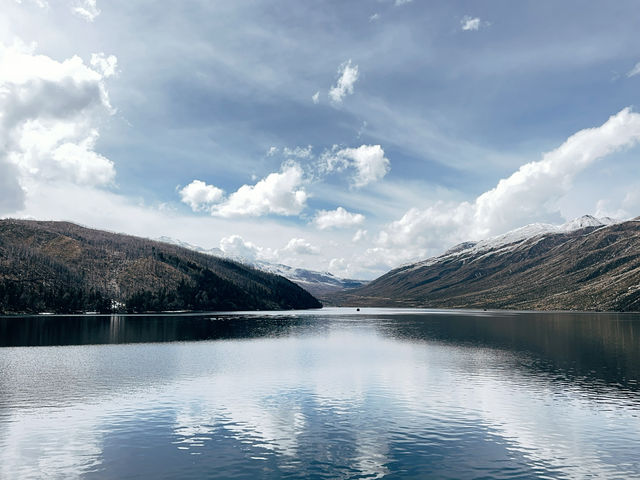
{"x":236,"y":246}
{"x":300,"y":246}
{"x":347,"y":77}
{"x":78,"y":162}
{"x":470,"y":23}
{"x":47,"y":112}
{"x":529,"y":195}
{"x":634,"y":71}
{"x":315,"y":98}
{"x":86,"y":9}
{"x":338,"y":218}
{"x":278,"y":193}
{"x":368,"y":161}
{"x":199,"y":196}
{"x":402,"y":2}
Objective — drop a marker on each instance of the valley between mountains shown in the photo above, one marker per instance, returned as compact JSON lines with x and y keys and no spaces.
{"x":587,"y":264}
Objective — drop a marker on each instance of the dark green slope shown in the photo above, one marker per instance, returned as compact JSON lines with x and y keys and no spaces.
{"x":588,"y":269}
{"x":62,"y":267}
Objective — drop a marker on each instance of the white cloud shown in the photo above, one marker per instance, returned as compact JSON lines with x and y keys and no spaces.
{"x":347,"y":77}
{"x":375,"y":17}
{"x":86,"y":9}
{"x":300,"y":246}
{"x":278,"y":193}
{"x":369,"y":163}
{"x":634,"y":71}
{"x":78,"y":162}
{"x":338,"y":265}
{"x":40,"y":3}
{"x":469,"y":23}
{"x":402,"y":2}
{"x":199,"y":196}
{"x":236,"y":246}
{"x":360,"y":235}
{"x":529,"y":195}
{"x":48,"y":109}
{"x":106,"y":64}
{"x":338,"y":218}
{"x":272,"y":151}
{"x":316,"y":98}
{"x":299,"y":152}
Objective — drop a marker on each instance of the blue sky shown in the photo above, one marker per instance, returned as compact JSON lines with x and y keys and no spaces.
{"x":341,"y":136}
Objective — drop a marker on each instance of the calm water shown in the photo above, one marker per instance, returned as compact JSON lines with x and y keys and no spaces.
{"x":325,"y":394}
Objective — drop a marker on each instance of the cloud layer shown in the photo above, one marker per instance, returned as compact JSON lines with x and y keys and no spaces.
{"x":48,"y":112}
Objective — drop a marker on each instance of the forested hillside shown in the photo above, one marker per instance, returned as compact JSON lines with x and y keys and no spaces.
{"x":62,"y":267}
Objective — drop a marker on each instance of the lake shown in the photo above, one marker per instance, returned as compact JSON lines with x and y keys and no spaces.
{"x":331,"y":393}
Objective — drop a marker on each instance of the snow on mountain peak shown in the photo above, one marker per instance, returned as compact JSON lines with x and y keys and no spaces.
{"x":515,"y":236}
{"x":582,"y":222}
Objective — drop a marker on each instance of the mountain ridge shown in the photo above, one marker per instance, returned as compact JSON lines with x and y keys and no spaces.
{"x":592,"y":267}
{"x":319,"y":284}
{"x":63,"y":267}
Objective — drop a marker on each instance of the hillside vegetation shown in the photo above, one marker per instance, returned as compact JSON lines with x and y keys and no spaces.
{"x":62,"y":267}
{"x":592,"y":268}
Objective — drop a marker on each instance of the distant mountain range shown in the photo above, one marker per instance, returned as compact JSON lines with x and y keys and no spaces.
{"x":319,"y":284}
{"x":61,"y":267}
{"x":586,"y":264}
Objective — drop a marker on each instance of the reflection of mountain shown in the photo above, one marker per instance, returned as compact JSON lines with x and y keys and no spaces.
{"x":114,"y":329}
{"x":587,"y":264}
{"x":591,"y":349}
{"x":319,"y":284}
{"x":339,"y":395}
{"x":62,"y":267}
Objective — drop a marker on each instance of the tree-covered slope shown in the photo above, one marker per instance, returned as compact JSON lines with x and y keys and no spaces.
{"x":593,"y":268}
{"x":62,"y":267}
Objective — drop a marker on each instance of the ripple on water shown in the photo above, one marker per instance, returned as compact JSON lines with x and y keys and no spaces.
{"x":389,"y":397}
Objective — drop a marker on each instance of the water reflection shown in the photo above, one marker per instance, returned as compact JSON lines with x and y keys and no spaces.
{"x":397,"y":396}
{"x":115,"y":329}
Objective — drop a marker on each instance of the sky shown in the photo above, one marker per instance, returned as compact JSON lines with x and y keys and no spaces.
{"x":349,"y":137}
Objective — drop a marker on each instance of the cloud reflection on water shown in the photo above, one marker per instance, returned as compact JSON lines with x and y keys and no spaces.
{"x":350,"y":400}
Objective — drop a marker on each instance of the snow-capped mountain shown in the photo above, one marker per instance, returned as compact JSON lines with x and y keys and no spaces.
{"x":585,"y":264}
{"x":517,"y":235}
{"x":316,"y":283}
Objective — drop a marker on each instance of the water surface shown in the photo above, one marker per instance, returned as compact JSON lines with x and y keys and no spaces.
{"x":333,"y":393}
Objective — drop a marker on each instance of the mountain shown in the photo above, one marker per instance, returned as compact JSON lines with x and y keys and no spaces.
{"x":586,"y":264}
{"x":319,"y":284}
{"x":62,"y":267}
